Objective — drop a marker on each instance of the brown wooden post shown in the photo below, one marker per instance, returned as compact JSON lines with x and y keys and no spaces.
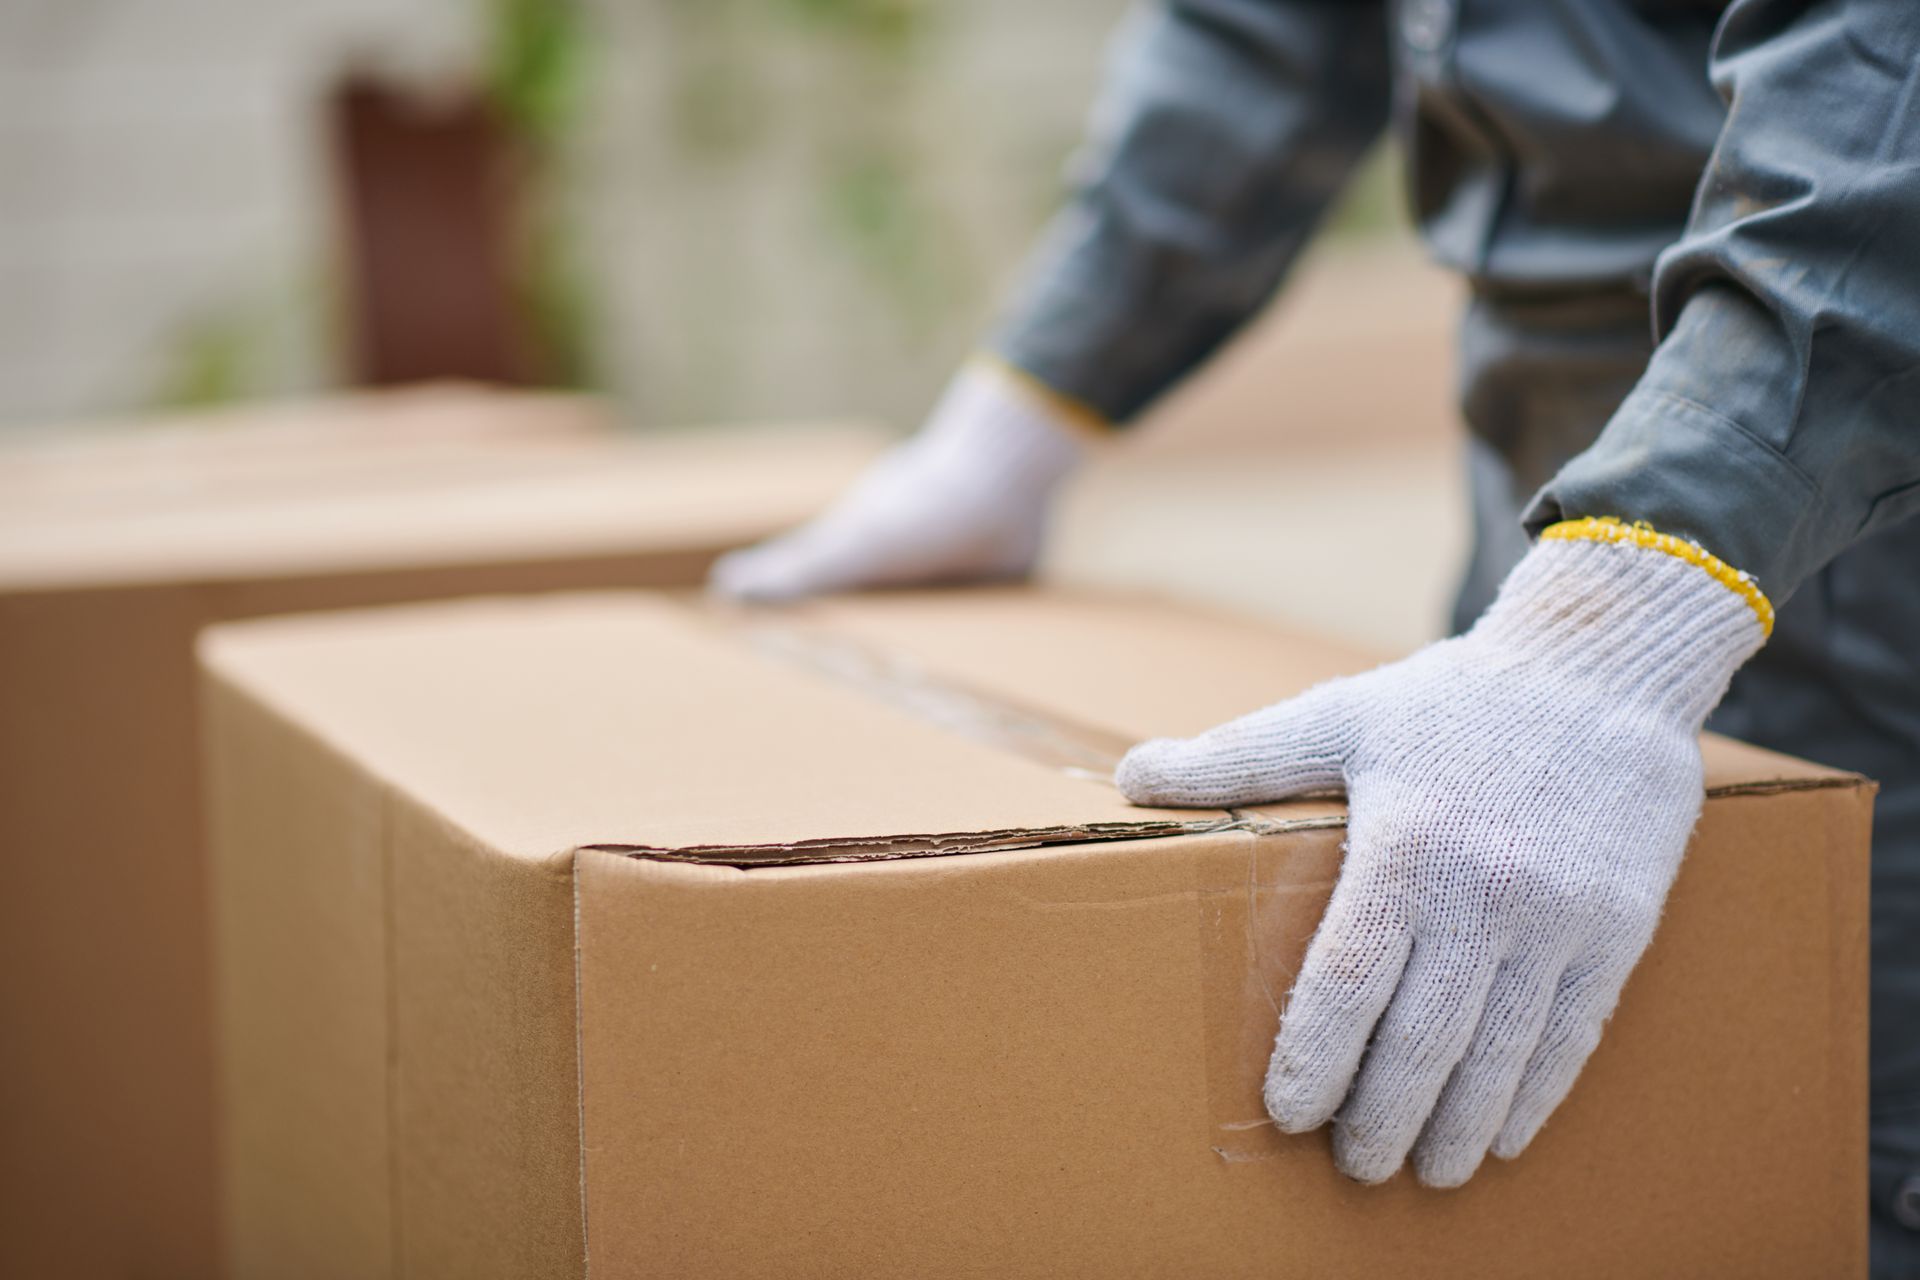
{"x":431,"y":201}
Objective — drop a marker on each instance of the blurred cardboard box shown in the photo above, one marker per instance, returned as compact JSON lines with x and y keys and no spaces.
{"x":106,"y":1060}
{"x":608,"y":929}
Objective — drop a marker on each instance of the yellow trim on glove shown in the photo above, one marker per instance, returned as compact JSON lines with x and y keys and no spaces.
{"x":1642,"y":534}
{"x":1074,"y":412}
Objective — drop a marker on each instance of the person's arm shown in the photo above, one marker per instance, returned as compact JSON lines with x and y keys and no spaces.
{"x":1226,"y":128}
{"x":1778,"y":420}
{"x":1521,"y":796}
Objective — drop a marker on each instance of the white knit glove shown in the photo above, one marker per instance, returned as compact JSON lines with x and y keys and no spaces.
{"x":965,"y":500}
{"x":1519,"y":799}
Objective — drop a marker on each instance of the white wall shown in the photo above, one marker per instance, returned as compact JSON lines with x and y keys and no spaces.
{"x":737,"y":287}
{"x":163,"y":202}
{"x":160,"y":175}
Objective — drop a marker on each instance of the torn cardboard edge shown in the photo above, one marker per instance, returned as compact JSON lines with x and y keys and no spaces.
{"x":1042,"y":737}
{"x":1779,"y":786}
{"x":918,"y":846}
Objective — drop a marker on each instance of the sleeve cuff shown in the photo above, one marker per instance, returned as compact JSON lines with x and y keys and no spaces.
{"x":1687,"y":470}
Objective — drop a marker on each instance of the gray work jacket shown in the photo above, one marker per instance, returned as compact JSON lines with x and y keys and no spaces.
{"x":1746,"y":175}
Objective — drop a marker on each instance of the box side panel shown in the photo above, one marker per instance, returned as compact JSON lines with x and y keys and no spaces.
{"x":308,"y":593}
{"x":297,"y":840}
{"x":397,"y":1024}
{"x":106,"y":1106}
{"x":1847,"y":832}
{"x":486,"y":1080}
{"x":1050,"y":1064}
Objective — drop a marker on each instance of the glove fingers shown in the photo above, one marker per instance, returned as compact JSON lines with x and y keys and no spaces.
{"x":756,"y":573}
{"x":1580,"y":1009}
{"x":1280,"y":751}
{"x":1352,"y":968}
{"x":1422,"y":1037}
{"x":1479,"y":1094}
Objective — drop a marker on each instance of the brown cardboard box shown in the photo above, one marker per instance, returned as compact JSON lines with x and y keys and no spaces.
{"x":606,"y":936}
{"x":106,"y":1105}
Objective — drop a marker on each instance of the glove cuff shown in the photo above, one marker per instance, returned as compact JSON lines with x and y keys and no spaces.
{"x":1642,"y":534}
{"x":990,"y":435}
{"x":1639,"y":618}
{"x":1064,"y":410}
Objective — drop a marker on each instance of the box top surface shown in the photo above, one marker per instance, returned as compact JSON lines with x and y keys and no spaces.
{"x":449,"y":478}
{"x":825,"y":733}
{"x":77,"y":453}
{"x":259,"y":450}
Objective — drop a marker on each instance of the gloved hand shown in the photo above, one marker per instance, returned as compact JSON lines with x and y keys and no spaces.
{"x":965,"y":500}
{"x":1519,"y":799}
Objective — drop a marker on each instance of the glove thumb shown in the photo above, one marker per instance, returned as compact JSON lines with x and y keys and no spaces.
{"x":1283,"y":750}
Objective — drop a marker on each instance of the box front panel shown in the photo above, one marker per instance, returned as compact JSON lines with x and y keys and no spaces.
{"x":1049,"y":1063}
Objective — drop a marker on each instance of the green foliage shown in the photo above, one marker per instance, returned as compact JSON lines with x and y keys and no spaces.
{"x":537,"y":77}
{"x":866,"y":175}
{"x":211,"y":361}
{"x":559,"y":303}
{"x":718,"y":108}
{"x":537,"y":65}
{"x":882,"y":25}
{"x":874,"y":211}
{"x":719,"y":100}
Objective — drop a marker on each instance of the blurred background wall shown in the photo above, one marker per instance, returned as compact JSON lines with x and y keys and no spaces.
{"x":770,"y":207}
{"x":757,"y":208}
{"x":165,"y":205}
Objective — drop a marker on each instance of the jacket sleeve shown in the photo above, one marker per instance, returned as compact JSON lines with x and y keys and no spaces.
{"x":1779,"y":419}
{"x":1225,"y":129}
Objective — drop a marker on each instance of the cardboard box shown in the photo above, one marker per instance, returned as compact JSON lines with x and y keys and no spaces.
{"x":106,"y":1061}
{"x":606,"y":936}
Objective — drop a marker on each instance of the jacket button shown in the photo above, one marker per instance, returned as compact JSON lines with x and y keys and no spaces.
{"x":1425,"y":24}
{"x":1906,"y":1203}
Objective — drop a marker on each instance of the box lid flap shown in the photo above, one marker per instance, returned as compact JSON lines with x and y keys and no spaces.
{"x":1147,"y":669}
{"x":633,"y":722}
{"x":884,"y":727}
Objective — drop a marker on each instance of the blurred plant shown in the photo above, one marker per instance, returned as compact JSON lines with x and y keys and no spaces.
{"x":873,"y":208}
{"x":890,"y":25}
{"x":537,"y":75}
{"x":716,"y":103}
{"x":246,"y":342}
{"x":537,"y":65}
{"x":868,"y":168}
{"x":211,"y":360}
